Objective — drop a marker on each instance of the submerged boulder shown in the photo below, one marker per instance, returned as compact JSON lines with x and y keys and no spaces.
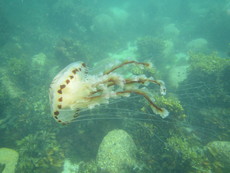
{"x":117,"y":152}
{"x":9,"y":159}
{"x":39,"y":60}
{"x":9,"y":86}
{"x":177,"y":74}
{"x":198,"y":45}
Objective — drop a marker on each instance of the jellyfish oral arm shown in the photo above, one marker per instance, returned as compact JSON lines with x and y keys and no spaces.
{"x":161,"y":111}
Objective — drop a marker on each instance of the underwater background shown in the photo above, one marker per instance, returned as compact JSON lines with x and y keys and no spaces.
{"x":188,"y":43}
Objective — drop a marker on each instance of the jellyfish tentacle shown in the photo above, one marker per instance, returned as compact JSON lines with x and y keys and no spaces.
{"x":126,"y":63}
{"x":143,"y":80}
{"x":161,"y":111}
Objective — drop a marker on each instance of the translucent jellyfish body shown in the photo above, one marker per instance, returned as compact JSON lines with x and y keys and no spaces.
{"x":72,"y":90}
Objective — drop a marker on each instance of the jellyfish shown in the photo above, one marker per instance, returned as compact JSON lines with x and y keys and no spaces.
{"x":73,"y":90}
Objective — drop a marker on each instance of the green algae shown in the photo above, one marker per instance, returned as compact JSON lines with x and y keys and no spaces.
{"x":219,"y":155}
{"x":39,"y":152}
{"x":208,"y":74}
{"x":173,"y":105}
{"x":189,"y":154}
{"x":205,"y":64}
{"x":18,"y":67}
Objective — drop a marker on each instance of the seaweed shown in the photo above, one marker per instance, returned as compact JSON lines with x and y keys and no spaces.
{"x":207,"y":78}
{"x":40,"y":152}
{"x":191,"y":157}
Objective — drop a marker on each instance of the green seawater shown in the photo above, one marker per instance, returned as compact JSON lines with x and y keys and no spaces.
{"x":188,"y":45}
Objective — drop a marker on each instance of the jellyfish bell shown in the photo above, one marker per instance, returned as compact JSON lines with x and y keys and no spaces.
{"x":65,"y":89}
{"x":73,"y":91}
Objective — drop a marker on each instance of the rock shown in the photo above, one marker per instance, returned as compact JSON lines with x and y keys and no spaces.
{"x":198,"y":45}
{"x":12,"y":90}
{"x":38,"y":63}
{"x":117,"y":152}
{"x":69,"y":167}
{"x":109,"y":22}
{"x":9,"y":158}
{"x":177,"y":74}
{"x":119,"y":15}
{"x":39,"y":59}
{"x":171,"y":31}
{"x":103,"y":24}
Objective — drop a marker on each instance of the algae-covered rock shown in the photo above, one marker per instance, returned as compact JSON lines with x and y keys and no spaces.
{"x":205,"y":64}
{"x":9,"y":158}
{"x":177,"y":74}
{"x":12,"y":90}
{"x":171,"y":31}
{"x":198,"y":45}
{"x":116,"y":153}
{"x":151,"y":48}
{"x":220,"y":151}
{"x":69,"y":167}
{"x":39,"y":60}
